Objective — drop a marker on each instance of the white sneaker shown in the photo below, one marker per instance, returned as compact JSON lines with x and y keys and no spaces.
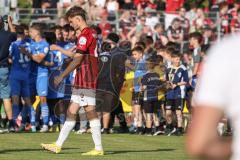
{"x":44,"y":129}
{"x":33,"y":128}
{"x":81,"y":131}
{"x":173,"y":131}
{"x":111,"y":130}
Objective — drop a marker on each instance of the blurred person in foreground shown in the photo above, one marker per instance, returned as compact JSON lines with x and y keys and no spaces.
{"x":215,"y":95}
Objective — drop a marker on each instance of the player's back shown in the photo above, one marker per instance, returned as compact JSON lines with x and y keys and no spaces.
{"x":152,"y":82}
{"x":21,"y":64}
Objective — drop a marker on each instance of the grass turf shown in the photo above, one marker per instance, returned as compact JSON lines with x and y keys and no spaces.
{"x":26,"y":146}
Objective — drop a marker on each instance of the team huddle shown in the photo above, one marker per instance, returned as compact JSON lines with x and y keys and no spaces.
{"x":40,"y":69}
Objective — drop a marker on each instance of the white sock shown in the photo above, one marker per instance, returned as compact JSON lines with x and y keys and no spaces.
{"x":66,"y":129}
{"x":96,"y":133}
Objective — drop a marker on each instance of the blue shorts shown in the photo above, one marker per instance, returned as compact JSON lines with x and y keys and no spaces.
{"x":19,"y":87}
{"x":4,"y":83}
{"x":42,"y":84}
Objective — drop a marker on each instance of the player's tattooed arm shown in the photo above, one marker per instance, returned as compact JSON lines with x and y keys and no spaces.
{"x":68,"y":52}
{"x":77,"y":60}
{"x":37,"y":58}
{"x":47,"y":64}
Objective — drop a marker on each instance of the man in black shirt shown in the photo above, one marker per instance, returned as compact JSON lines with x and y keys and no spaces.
{"x":119,"y":56}
{"x":6,"y":39}
{"x":105,"y":95}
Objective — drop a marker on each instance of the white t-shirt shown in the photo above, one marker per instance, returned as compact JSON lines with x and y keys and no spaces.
{"x":219,"y":85}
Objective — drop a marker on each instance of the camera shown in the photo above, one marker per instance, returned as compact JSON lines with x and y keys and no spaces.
{"x":5,"y":18}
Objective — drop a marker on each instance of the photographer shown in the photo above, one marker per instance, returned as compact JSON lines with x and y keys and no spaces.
{"x":4,"y":67}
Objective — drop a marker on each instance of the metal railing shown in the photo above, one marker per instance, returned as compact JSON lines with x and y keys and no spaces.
{"x":51,"y":16}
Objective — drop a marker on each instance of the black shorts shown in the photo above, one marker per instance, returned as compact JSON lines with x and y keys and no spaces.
{"x":174,"y":104}
{"x":105,"y":101}
{"x":151,"y":107}
{"x":137,"y":98}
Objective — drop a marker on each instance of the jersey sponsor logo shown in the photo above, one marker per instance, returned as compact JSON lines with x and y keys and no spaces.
{"x":82,"y":40}
{"x":46,"y":50}
{"x":179,"y":74}
{"x":104,"y":59}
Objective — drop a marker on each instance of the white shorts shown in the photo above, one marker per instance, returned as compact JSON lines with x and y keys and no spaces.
{"x":84,"y":97}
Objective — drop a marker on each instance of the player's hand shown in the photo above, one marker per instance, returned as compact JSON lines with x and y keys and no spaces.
{"x":174,"y":86}
{"x":57,"y":80}
{"x":54,"y":47}
{"x":167,"y":85}
{"x":9,"y":20}
{"x":128,"y":63}
{"x":73,"y":49}
{"x":51,"y":64}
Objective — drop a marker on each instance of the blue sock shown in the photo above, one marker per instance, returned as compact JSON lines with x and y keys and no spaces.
{"x":45,"y":113}
{"x":15,"y":112}
{"x":24,"y":114}
{"x":32,"y":114}
{"x":62,"y":118}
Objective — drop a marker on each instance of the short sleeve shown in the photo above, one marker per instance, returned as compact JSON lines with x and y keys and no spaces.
{"x":11,"y":49}
{"x":82,"y":43}
{"x":144,"y":80}
{"x":44,"y":49}
{"x":213,"y":85}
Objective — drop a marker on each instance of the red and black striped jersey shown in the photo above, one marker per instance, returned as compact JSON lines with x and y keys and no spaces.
{"x":87,"y":72}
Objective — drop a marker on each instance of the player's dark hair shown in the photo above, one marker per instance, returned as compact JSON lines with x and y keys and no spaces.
{"x":141,"y":44}
{"x":25,"y":26}
{"x":66,"y":27}
{"x":50,"y":37}
{"x":222,"y":5}
{"x":106,"y":47}
{"x":20,"y":30}
{"x":57,"y":27}
{"x":170,"y":50}
{"x":158,"y":25}
{"x":76,"y":11}
{"x":97,"y":29}
{"x":176,"y":20}
{"x":174,"y":55}
{"x":197,"y":36}
{"x":38,"y":27}
{"x":149,"y":40}
{"x":152,"y":61}
{"x":159,"y":58}
{"x":138,"y":49}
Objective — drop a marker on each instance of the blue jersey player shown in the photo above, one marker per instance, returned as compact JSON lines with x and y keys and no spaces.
{"x":177,"y":76}
{"x":40,"y":53}
{"x":56,"y":94}
{"x":19,"y":76}
{"x":150,"y":85}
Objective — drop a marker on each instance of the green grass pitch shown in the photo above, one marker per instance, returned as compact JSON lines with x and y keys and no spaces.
{"x":26,"y":146}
